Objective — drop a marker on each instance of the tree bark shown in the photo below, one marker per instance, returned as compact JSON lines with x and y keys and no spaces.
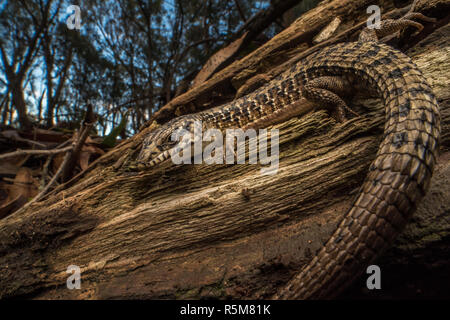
{"x":19,"y":102}
{"x":222,"y":231}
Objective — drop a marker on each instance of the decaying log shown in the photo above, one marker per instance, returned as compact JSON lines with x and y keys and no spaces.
{"x":222,"y":231}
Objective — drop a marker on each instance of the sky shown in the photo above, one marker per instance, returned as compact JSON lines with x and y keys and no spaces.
{"x":39,"y":85}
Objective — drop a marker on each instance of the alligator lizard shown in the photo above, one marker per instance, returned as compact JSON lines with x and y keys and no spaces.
{"x":397,"y":179}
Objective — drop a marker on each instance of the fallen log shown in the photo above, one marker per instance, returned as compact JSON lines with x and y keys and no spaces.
{"x":222,"y":231}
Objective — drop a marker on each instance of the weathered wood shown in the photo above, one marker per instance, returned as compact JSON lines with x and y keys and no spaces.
{"x":213,"y":231}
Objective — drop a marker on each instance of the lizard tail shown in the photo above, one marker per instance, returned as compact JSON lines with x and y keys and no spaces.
{"x":397,"y":179}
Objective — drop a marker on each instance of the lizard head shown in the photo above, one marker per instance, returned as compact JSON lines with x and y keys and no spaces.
{"x":159,"y":144}
{"x":155,"y":148}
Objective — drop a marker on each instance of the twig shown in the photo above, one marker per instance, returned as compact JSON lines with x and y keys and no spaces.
{"x":413,"y":6}
{"x":20,"y":152}
{"x":50,"y":184}
{"x":63,"y":144}
{"x":34,"y":143}
{"x":84,"y":132}
{"x":241,"y":13}
{"x":45,"y":170}
{"x":68,"y":159}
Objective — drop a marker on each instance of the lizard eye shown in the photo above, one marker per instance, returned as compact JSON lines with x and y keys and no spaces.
{"x":169,"y":143}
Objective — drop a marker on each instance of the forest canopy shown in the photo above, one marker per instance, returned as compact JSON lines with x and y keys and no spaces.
{"x":118,"y":55}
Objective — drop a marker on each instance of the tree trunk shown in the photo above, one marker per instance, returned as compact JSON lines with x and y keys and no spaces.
{"x":223,"y":231}
{"x":19,"y":102}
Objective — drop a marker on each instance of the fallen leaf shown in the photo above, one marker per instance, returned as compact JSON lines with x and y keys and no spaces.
{"x":23,"y":188}
{"x":12,"y":206}
{"x":86,"y":153}
{"x":24,"y":184}
{"x":217,"y":59}
{"x":57,"y":161}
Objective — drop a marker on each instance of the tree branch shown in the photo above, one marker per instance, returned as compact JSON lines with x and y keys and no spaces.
{"x":34,"y":152}
{"x":241,"y":13}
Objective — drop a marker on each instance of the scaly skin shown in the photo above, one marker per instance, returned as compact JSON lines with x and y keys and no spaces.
{"x":398,"y":178}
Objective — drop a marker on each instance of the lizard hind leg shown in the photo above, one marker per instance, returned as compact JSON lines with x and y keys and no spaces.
{"x":326,"y":92}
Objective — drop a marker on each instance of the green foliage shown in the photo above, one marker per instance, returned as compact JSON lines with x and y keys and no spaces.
{"x":110,"y":140}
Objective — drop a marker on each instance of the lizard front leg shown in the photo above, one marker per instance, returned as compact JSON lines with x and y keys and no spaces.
{"x":327,"y":91}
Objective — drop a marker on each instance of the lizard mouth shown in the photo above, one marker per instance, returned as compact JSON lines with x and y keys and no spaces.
{"x":141,"y":166}
{"x":160,"y":158}
{"x":153,"y":159}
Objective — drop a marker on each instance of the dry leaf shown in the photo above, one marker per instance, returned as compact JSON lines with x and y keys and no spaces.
{"x":23,"y":188}
{"x":328,"y":31}
{"x":9,"y":167}
{"x":57,"y":161}
{"x":86,"y":153}
{"x":217,"y":59}
{"x":11,"y":206}
{"x":24,"y":184}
